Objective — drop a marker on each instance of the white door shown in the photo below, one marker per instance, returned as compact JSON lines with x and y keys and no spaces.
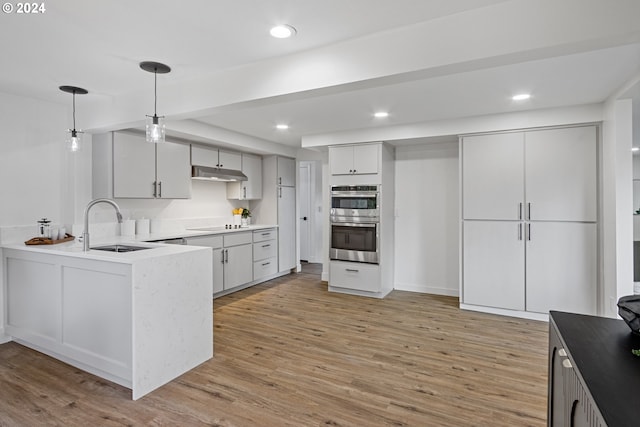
{"x":561,"y":181}
{"x":561,"y":267}
{"x":286,"y":228}
{"x":305,"y":211}
{"x":493,"y":272}
{"x":134,"y":166}
{"x":493,"y":176}
{"x":173,"y":171}
{"x":252,"y":167}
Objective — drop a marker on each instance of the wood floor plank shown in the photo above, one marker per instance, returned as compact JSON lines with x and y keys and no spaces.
{"x":289,"y":353}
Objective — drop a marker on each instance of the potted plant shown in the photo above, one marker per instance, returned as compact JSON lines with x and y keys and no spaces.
{"x":245,"y":214}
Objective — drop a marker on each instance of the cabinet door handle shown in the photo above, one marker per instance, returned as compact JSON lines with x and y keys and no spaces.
{"x":520,"y":231}
{"x":353,"y":270}
{"x":567,"y":363}
{"x":529,"y":211}
{"x":222,"y":256}
{"x":265,"y":264}
{"x":266,"y":234}
{"x":155,"y":189}
{"x":280,"y":192}
{"x":265,"y":246}
{"x":226,"y":256}
{"x":244,"y":194}
{"x":529,"y":232}
{"x":279,"y":180}
{"x":520,"y":210}
{"x":160,"y":189}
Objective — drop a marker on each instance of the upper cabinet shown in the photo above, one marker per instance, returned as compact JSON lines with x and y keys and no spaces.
{"x":251,"y":189}
{"x":286,"y":172}
{"x":215,"y":158}
{"x":540,"y":175}
{"x":354,"y":159}
{"x":126,"y":166}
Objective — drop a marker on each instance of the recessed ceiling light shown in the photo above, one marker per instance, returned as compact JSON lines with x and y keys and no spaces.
{"x":381,"y":114}
{"x":521,"y":97}
{"x":283,"y":31}
{"x":282,"y":127}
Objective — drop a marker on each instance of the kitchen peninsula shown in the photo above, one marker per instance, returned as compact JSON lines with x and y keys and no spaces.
{"x":139,"y":319}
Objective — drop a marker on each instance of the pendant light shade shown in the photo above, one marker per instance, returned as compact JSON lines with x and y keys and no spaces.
{"x":74,"y":140}
{"x":155,"y":123}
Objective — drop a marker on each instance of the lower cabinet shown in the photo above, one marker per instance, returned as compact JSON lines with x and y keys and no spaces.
{"x":265,"y":253}
{"x":238,"y":259}
{"x":241,"y":258}
{"x":530,"y":266}
{"x":355,"y":276}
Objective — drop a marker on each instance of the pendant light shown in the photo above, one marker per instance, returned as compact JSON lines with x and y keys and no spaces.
{"x":74,"y":141}
{"x":155,"y":126}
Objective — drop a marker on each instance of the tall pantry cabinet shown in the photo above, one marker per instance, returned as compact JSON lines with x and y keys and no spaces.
{"x":278,"y":206}
{"x":529,"y":220}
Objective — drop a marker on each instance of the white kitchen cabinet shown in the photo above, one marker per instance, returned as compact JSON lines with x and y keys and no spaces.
{"x":561,"y":267}
{"x":265,"y":253}
{"x":492,"y":176}
{"x":278,"y":206}
{"x":287,"y":221}
{"x":529,"y":220}
{"x":493,"y":267}
{"x":561,"y":177}
{"x":126,"y":166}
{"x":355,"y":276}
{"x":215,"y":158}
{"x":238,"y":259}
{"x":251,"y":189}
{"x":215,"y":242}
{"x":359,"y":159}
{"x":286,"y":173}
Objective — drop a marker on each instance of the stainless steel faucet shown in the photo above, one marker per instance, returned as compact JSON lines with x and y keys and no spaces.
{"x":85,"y":233}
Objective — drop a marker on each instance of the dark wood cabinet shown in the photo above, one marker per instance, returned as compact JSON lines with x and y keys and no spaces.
{"x":593,"y":376}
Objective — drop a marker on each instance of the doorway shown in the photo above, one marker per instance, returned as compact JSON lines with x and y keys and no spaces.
{"x":310,"y":208}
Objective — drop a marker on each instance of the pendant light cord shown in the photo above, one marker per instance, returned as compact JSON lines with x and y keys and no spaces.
{"x":155,"y":92}
{"x":74,"y":110}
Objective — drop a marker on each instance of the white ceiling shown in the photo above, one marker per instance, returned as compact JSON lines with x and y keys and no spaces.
{"x":98,"y":45}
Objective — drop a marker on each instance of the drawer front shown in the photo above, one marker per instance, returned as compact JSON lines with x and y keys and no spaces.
{"x":209,"y":241}
{"x":262,"y":235}
{"x":264,"y":268}
{"x":353,"y":275}
{"x":235,"y":239}
{"x":264,"y":250}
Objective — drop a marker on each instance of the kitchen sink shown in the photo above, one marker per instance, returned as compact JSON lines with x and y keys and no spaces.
{"x":120,"y":248}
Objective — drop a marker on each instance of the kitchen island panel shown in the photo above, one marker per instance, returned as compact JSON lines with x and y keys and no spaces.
{"x":173,"y":317}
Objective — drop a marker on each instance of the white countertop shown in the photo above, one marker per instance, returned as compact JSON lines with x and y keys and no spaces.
{"x":74,"y":248}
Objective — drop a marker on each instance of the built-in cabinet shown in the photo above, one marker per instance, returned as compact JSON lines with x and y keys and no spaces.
{"x":354,"y":160}
{"x":126,"y":166}
{"x":529,"y":211}
{"x":251,"y":189}
{"x":215,"y":158}
{"x":278,"y":206}
{"x":366,"y":164}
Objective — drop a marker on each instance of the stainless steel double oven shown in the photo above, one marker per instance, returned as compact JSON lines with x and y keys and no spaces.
{"x":355,"y":223}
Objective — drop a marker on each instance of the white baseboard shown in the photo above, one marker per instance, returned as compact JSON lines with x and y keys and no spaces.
{"x":435,"y":290}
{"x":502,"y":312}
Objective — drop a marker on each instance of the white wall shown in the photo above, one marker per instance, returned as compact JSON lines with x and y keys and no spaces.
{"x":426,"y":240}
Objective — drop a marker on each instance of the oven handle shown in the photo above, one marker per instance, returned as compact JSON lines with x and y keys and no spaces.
{"x":355,"y":224}
{"x":352,"y":194}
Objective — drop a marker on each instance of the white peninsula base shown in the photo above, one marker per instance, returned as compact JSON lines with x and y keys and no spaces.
{"x":138,"y":319}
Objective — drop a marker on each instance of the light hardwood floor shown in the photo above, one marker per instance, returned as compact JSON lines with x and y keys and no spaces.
{"x":288,"y":353}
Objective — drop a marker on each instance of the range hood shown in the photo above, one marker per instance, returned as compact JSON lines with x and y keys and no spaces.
{"x":207,"y":173}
